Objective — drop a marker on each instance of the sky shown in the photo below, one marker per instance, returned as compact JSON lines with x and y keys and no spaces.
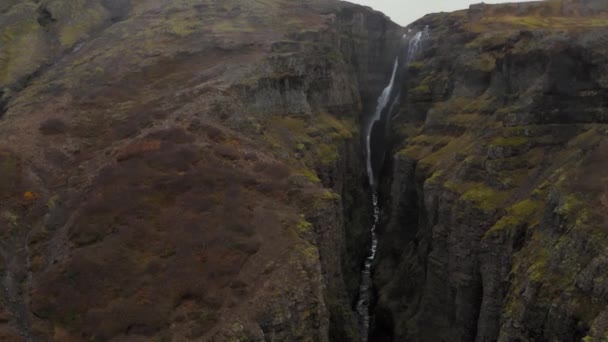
{"x":404,"y":12}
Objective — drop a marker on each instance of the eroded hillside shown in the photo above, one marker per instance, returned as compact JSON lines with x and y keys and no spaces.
{"x":191,"y":170}
{"x":184,"y":170}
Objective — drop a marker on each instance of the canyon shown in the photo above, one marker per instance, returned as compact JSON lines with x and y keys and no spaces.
{"x":187,"y":170}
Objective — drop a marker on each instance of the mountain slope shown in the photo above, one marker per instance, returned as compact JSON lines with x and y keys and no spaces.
{"x":496,"y":196}
{"x":189,"y":167}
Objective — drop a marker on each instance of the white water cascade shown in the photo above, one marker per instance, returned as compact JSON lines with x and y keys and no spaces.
{"x":382,"y":102}
{"x":363,"y":305}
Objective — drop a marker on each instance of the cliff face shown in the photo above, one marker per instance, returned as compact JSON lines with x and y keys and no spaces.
{"x":496,"y":197}
{"x":184,"y":170}
{"x":194,"y":169}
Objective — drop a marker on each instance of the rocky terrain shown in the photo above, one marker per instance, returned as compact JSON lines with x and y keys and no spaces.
{"x":192,"y":170}
{"x":496,"y":196}
{"x":184,"y":170}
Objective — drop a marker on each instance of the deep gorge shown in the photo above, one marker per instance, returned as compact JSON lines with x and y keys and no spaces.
{"x":199,"y":169}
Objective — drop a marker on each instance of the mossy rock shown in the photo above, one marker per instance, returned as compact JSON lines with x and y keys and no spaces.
{"x":482,"y":196}
{"x":527,"y":212}
{"x":24,"y":46}
{"x":483,"y":62}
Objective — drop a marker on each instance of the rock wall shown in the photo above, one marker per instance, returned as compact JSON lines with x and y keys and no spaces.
{"x":494,"y":218}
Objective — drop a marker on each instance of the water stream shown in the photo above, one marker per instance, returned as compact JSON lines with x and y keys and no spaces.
{"x":363,"y":305}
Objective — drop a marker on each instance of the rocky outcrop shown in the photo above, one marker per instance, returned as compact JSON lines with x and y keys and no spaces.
{"x":494,"y":218}
{"x":192,"y":167}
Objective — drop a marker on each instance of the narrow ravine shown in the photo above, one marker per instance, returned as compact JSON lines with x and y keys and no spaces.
{"x":366,"y":277}
{"x":381,"y":116}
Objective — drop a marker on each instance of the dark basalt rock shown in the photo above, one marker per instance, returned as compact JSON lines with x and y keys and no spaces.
{"x":503,"y":228}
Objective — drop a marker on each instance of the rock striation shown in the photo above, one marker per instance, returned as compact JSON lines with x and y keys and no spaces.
{"x":495,"y":211}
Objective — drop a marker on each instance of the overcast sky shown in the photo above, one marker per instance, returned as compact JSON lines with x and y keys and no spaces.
{"x":404,"y":12}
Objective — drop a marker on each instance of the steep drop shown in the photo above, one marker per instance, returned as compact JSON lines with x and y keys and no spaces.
{"x":495,"y":223}
{"x":381,"y":115}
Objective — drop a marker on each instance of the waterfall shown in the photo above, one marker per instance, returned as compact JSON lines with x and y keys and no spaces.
{"x":363,"y":304}
{"x":382,"y":102}
{"x":366,"y":276}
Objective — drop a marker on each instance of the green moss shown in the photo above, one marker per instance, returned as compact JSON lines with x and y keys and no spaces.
{"x":337,"y":129}
{"x":547,"y":18}
{"x":421,"y":90}
{"x":316,"y":139}
{"x":329,"y":195}
{"x":511,"y":307}
{"x":465,"y":105}
{"x":465,"y":119}
{"x":537,"y":270}
{"x":311,"y":252}
{"x":441,"y":154}
{"x":310,"y":175}
{"x":555,"y":22}
{"x":232,"y":26}
{"x":525,"y":212}
{"x":183,"y":28}
{"x":510,"y":141}
{"x":435,"y":177}
{"x":429,"y":140}
{"x":326,"y":154}
{"x":304,"y":227}
{"x":574,"y":208}
{"x":484,"y":197}
{"x":416,"y":65}
{"x":23,"y":44}
{"x":569,"y":205}
{"x":489,"y":40}
{"x":80,"y":20}
{"x":480,"y":195}
{"x":483,"y":62}
{"x":414,"y":151}
{"x":526,"y":208}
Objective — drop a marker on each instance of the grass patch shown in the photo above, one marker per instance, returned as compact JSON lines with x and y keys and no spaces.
{"x":484,"y":62}
{"x":484,"y":197}
{"x":303,"y":227}
{"x":510,"y":141}
{"x":480,"y":195}
{"x":310,"y":175}
{"x":525,"y":212}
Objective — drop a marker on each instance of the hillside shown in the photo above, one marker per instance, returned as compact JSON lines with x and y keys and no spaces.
{"x":193,"y":170}
{"x":188,"y":166}
{"x":496,"y":195}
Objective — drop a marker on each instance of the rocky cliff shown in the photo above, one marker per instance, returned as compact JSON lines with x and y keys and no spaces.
{"x":192,"y":170}
{"x":184,"y":170}
{"x":495,"y":200}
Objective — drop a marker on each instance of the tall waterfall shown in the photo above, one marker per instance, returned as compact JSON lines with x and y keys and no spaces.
{"x":413,"y":46}
{"x":382,"y":102}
